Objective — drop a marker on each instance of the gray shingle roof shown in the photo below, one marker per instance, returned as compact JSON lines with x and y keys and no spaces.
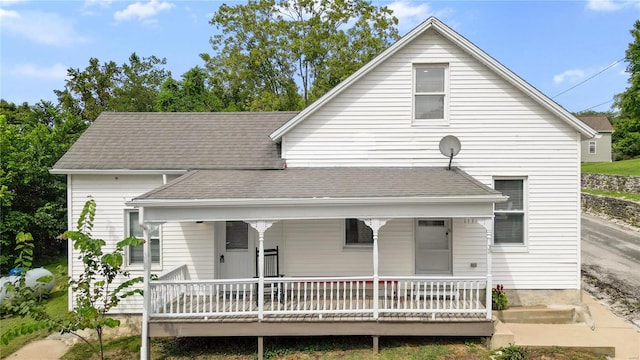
{"x":177,"y":141}
{"x":599,"y":123}
{"x":309,"y":183}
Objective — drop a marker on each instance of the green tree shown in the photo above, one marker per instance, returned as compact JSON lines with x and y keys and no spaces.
{"x":194,"y":93}
{"x":32,"y":139}
{"x":132,"y":86}
{"x":99,"y":288}
{"x":267,"y":49}
{"x":139,"y":85}
{"x":626,"y":136}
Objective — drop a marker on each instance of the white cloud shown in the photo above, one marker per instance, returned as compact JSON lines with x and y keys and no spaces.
{"x":611,"y":5}
{"x":411,"y":15}
{"x":41,"y":27}
{"x":569,"y":75}
{"x":5,"y":14}
{"x":100,"y":3}
{"x":142,"y":11}
{"x":10,"y":2}
{"x":90,"y":4}
{"x":56,"y":71}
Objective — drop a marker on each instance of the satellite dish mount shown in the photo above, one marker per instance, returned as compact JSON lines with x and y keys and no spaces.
{"x":449,"y":147}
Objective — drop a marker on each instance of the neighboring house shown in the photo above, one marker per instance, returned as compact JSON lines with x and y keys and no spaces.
{"x":597,"y":149}
{"x":375,"y":235}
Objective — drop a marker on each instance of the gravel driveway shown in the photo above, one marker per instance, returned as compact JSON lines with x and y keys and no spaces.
{"x":611,"y":265}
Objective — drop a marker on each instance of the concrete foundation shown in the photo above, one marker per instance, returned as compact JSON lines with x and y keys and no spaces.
{"x":543,"y":297}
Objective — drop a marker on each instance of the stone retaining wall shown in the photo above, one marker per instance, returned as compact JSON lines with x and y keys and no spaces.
{"x":616,"y":183}
{"x":620,"y":209}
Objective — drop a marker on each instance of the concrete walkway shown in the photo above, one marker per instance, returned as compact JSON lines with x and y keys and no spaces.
{"x":609,"y":331}
{"x":46,"y":349}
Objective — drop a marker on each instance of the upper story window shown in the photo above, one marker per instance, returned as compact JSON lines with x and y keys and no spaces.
{"x":510,"y":216}
{"x":430,"y":94}
{"x":592,"y":147}
{"x":135,"y":253}
{"x":357,"y":233}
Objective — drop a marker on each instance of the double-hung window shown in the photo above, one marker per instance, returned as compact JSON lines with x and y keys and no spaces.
{"x":430,"y":94}
{"x":510,"y":216}
{"x":592,"y":147}
{"x":135,"y":253}
{"x":357,"y":233}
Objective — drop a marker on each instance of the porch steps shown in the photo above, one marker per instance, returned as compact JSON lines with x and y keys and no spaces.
{"x":538,"y":315}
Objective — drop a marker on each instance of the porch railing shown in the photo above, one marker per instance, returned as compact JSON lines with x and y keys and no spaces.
{"x":411,"y":295}
{"x":176,"y":274}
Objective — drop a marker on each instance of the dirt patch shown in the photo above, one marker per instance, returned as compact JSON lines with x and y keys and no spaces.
{"x":622,"y":297}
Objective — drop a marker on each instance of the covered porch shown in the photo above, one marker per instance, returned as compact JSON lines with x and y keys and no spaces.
{"x":375,"y":304}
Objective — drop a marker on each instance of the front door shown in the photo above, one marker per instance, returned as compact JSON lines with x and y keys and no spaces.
{"x":433,"y":246}
{"x":236,"y":260}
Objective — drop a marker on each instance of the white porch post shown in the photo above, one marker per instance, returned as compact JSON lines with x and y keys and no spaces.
{"x":261,"y":226}
{"x":146,"y":298}
{"x":375,"y":225}
{"x":488,"y":225}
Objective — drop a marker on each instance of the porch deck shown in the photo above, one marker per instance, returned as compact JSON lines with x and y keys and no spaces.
{"x":424,"y":306}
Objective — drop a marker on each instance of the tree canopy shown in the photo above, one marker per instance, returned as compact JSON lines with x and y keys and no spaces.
{"x":283,"y":54}
{"x":194,"y":93}
{"x":99,"y":87}
{"x":32,"y":139}
{"x":626,"y":136}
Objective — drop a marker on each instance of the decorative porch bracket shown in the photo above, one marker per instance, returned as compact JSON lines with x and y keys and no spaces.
{"x":147,"y":229}
{"x":375,"y":224}
{"x":487,"y":223}
{"x":261,"y":226}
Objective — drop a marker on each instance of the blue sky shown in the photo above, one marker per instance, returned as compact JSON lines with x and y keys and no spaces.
{"x":554,"y":45}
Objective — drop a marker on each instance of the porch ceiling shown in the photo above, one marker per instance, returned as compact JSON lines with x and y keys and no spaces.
{"x":302,"y":193}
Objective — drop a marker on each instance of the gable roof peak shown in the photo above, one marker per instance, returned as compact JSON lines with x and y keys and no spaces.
{"x":465,"y":45}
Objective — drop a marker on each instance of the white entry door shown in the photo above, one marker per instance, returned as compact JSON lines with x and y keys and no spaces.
{"x":433,"y":246}
{"x":237,"y":251}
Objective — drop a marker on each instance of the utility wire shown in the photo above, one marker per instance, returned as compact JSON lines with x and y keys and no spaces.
{"x":589,"y":78}
{"x":595,"y":106}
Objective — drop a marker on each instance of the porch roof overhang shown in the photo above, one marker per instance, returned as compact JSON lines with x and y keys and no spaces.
{"x":318,"y":193}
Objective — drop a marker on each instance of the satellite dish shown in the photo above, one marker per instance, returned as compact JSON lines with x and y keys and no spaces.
{"x":450,"y":147}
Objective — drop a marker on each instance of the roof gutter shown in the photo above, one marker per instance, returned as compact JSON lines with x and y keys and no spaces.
{"x":318,"y":201}
{"x":115,"y":172}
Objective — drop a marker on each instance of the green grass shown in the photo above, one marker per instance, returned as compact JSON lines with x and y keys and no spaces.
{"x":56,"y":304}
{"x":633,"y":197}
{"x":624,"y":167}
{"x":322,"y":348}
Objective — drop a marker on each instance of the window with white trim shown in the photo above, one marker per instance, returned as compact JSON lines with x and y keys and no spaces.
{"x":592,"y":147}
{"x":510,"y":216}
{"x":430,"y":94}
{"x":357,"y":233}
{"x":135,"y":254}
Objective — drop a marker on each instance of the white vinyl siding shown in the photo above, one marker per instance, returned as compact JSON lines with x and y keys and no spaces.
{"x":182,"y":243}
{"x":503,"y":133}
